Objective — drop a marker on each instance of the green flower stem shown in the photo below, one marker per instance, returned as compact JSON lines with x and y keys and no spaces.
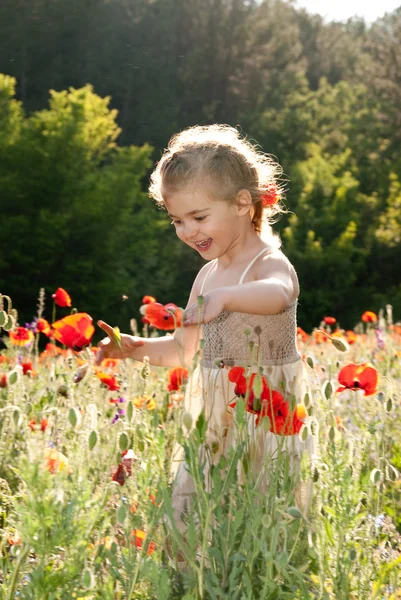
{"x":15,"y":577}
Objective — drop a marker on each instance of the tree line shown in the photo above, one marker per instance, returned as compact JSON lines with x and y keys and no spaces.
{"x":125,"y":75}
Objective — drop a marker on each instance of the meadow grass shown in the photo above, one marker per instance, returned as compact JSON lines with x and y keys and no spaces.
{"x":86,"y":502}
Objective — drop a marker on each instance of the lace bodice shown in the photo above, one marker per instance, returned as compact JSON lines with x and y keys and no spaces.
{"x":227,"y":338}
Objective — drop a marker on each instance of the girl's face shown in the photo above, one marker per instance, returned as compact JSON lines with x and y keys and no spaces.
{"x":209,"y":226}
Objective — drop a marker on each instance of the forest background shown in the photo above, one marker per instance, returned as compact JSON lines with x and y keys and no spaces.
{"x":91,"y":91}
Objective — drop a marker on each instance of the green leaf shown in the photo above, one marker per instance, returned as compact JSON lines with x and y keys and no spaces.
{"x":13,"y":378}
{"x":72,"y":417}
{"x":332,"y":434}
{"x":16,"y":417}
{"x":328,"y":390}
{"x":121,"y":514}
{"x":257,"y":386}
{"x":88,"y":579}
{"x":240,"y":411}
{"x":130,"y":411}
{"x":123,"y":441}
{"x":9,"y":323}
{"x":117,"y":336}
{"x":304,"y":433}
{"x":201,"y":424}
{"x":294,"y":512}
{"x":187,"y":420}
{"x":266,"y":423}
{"x":92,"y":440}
{"x":3,"y":317}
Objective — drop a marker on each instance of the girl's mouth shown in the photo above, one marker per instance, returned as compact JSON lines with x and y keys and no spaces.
{"x":204,"y":244}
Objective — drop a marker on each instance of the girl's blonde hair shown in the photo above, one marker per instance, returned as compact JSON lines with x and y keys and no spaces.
{"x":218,"y":158}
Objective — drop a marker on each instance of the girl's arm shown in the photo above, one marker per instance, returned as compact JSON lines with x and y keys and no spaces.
{"x":274,"y":288}
{"x":168,"y":351}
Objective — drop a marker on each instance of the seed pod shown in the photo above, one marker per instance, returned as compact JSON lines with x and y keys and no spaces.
{"x":340,"y":344}
{"x":9,"y":324}
{"x":187,"y":420}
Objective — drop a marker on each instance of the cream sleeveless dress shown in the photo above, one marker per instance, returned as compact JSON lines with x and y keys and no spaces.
{"x":225,"y":345}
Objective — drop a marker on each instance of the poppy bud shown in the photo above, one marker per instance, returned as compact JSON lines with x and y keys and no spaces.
{"x":340,"y":344}
{"x":187,"y":420}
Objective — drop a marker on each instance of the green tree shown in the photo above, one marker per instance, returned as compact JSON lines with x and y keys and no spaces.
{"x":74,"y":213}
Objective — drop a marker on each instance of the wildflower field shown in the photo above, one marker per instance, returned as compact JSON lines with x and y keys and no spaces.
{"x":85,"y":496}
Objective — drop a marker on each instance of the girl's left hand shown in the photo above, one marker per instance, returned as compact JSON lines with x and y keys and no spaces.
{"x":211,"y":307}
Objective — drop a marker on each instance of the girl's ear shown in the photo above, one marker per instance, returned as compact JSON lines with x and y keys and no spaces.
{"x":244,"y":202}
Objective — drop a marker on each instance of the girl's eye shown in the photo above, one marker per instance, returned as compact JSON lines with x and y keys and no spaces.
{"x":175,"y":223}
{"x":199,"y":218}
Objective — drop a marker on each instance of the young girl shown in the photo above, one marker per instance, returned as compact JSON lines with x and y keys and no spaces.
{"x":221,"y":194}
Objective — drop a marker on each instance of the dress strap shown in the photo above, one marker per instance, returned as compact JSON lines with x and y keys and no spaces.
{"x":252,"y":262}
{"x":207,"y":275}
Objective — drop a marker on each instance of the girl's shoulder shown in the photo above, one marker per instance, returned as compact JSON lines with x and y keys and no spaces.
{"x":276,"y":264}
{"x":202,"y":274}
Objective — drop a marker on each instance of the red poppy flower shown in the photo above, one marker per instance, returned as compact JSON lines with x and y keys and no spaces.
{"x":237,"y":375}
{"x":21,"y":336}
{"x":289,"y":425}
{"x":330,"y":320}
{"x":176,"y":378}
{"x":369,"y":317}
{"x":110,"y":363}
{"x":244,"y":387}
{"x":351,"y":336}
{"x":319,"y":337}
{"x":3,"y":381}
{"x":139,"y":537}
{"x":55,"y":460}
{"x":271,"y":404}
{"x":42,"y":326}
{"x":109,"y":380}
{"x":75,"y":331}
{"x":127,"y":459}
{"x":302,"y":334}
{"x":269,"y":401}
{"x":61,"y":297}
{"x":119,"y":475}
{"x":358,"y":377}
{"x":271,"y":196}
{"x":148,"y":300}
{"x":160,"y":316}
{"x":26,"y":367}
{"x":43,"y":424}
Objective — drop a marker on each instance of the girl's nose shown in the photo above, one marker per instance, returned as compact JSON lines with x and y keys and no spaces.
{"x":191,"y":231}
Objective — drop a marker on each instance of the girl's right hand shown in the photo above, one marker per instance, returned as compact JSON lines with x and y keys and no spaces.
{"x":108,"y":347}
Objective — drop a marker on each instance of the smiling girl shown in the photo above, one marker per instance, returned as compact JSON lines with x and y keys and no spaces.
{"x":222,"y":194}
